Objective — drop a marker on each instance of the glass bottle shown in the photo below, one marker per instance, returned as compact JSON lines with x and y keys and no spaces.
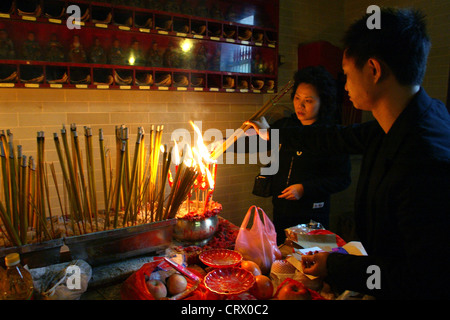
{"x":17,"y":283}
{"x":2,"y":281}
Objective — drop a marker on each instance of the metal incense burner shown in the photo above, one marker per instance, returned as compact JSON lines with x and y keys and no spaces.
{"x":195,"y":232}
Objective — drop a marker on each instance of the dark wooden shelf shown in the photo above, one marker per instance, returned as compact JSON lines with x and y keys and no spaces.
{"x":238,"y":51}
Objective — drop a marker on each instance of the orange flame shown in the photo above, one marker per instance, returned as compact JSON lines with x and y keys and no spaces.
{"x":203,"y":157}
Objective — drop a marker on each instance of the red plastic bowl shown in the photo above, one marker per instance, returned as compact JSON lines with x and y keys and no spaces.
{"x":220,"y":258}
{"x":229,"y":281}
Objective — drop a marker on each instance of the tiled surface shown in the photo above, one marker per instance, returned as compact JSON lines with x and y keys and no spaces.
{"x":27,"y":111}
{"x":106,"y":280}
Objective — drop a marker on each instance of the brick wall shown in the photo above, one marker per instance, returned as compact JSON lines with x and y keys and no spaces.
{"x":303,"y":21}
{"x":27,"y":111}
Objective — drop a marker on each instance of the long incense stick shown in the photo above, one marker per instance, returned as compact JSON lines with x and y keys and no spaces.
{"x":74,"y":211}
{"x":90,"y":172}
{"x":85,"y":199}
{"x":167,"y":158}
{"x":103,"y":162}
{"x":119,"y":183}
{"x":243,"y":128}
{"x":23,"y":200}
{"x":132,"y":178}
{"x":73,"y":181}
{"x":64,"y":214}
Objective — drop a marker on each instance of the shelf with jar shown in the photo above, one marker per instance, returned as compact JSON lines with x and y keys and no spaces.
{"x":130,"y":47}
{"x":38,"y":74}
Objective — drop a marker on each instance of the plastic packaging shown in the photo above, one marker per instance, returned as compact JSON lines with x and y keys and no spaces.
{"x":17,"y":283}
{"x":259,"y":243}
{"x":135,"y":287}
{"x":62,"y":281}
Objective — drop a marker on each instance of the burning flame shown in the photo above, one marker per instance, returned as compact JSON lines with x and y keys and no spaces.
{"x":210,"y":179}
{"x":196,"y":156}
{"x":202,"y":149}
{"x":176,"y":153}
{"x":203,"y":154}
{"x":189,"y":157}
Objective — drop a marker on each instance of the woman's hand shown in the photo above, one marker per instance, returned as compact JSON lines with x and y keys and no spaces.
{"x":260,"y":126}
{"x":293,"y":192}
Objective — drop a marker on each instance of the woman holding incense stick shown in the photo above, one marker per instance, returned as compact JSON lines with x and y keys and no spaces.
{"x":302,"y":186}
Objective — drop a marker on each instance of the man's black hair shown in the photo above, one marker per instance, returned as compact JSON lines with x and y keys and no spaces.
{"x":401,"y":43}
{"x":325,"y":86}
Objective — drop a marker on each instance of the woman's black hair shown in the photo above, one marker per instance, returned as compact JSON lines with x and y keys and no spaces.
{"x":325,"y":86}
{"x":401,"y":43}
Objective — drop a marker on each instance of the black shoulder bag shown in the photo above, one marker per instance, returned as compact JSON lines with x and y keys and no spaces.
{"x":262,"y":186}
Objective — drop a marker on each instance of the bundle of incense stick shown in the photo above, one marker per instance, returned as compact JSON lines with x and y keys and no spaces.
{"x":73,"y":179}
{"x":133,"y":199}
{"x":262,"y":111}
{"x":185,"y":177}
{"x":128,"y":192}
{"x":134,"y":191}
{"x":69,"y":181}
{"x":125,"y":188}
{"x":153,"y":166}
{"x":24,"y":200}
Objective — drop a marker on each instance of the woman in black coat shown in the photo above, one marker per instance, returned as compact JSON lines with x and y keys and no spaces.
{"x":302,"y":186}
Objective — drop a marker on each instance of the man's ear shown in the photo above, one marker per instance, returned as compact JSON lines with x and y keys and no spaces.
{"x":377,"y":69}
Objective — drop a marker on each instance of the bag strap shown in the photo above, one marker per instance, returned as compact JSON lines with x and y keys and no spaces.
{"x":267,"y":222}
{"x":259,"y":218}
{"x":247,"y":217}
{"x":258,"y":221}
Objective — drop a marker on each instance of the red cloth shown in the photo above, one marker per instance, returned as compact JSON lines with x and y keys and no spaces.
{"x":135,"y":287}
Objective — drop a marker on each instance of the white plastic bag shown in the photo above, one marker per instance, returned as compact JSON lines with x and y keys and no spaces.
{"x":259,"y":243}
{"x":55,"y":282}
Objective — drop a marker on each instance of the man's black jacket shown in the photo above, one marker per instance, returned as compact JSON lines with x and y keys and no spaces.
{"x":402,"y":205}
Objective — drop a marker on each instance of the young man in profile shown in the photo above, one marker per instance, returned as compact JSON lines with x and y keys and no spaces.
{"x":402,"y":202}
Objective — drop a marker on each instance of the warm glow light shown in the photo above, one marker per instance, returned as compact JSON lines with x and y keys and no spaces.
{"x":202,"y":149}
{"x":202,"y":156}
{"x":189,"y":157}
{"x":132,"y":60}
{"x":197,"y":156}
{"x":198,"y":160}
{"x":210,"y":179}
{"x":186,"y":45}
{"x":176,"y":154}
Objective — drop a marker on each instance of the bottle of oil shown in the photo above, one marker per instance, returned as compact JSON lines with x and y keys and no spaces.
{"x":17,"y":283}
{"x":2,"y":282}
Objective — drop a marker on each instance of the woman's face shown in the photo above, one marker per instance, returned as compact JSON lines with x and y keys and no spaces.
{"x":306,"y":103}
